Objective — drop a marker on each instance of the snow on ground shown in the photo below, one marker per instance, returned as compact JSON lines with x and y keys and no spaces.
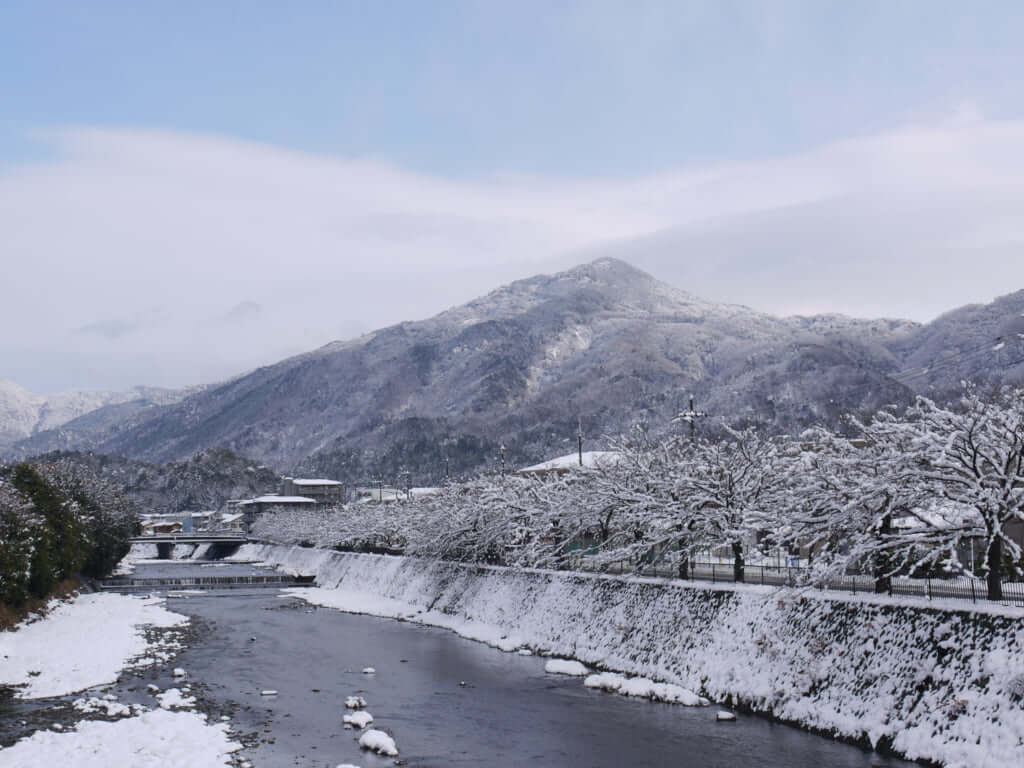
{"x":355,"y":702}
{"x":108,"y":706}
{"x":157,"y":739}
{"x":643,"y":688}
{"x":566,"y":667}
{"x":379,"y":742}
{"x":938,"y":680}
{"x":138,"y":553}
{"x":173,"y":698}
{"x":81,"y":643}
{"x":359,"y":719}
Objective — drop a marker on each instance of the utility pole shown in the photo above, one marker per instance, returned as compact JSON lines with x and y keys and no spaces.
{"x":691,"y":417}
{"x":447,"y":474}
{"x":380,"y":489}
{"x":501,"y":448}
{"x":579,"y":438}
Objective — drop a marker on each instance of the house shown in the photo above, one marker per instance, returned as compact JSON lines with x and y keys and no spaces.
{"x":564,"y":464}
{"x":160,"y":525}
{"x":232,"y":522}
{"x":261,"y":505}
{"x":329,"y":492}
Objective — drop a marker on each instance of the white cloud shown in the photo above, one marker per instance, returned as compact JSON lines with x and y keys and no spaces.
{"x":150,"y":238}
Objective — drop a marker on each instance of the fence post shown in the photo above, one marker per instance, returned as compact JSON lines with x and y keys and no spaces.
{"x":973,"y":599}
{"x":712,"y":573}
{"x":928,"y":587}
{"x":762,"y":575}
{"x":854,"y":584}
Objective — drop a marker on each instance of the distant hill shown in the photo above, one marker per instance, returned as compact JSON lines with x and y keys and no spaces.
{"x":603,"y":343}
{"x":25,"y":415}
{"x":202,"y":482}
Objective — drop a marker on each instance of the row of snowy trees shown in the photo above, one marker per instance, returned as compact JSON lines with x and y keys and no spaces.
{"x":903,"y":496}
{"x":56,"y":522}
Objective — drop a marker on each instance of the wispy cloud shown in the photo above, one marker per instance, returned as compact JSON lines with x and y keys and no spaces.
{"x":906,"y":223}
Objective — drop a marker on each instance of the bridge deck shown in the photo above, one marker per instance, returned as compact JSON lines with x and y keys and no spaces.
{"x":191,"y":538}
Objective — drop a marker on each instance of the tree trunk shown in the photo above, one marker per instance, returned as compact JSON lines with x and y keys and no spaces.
{"x":737,"y":561}
{"x":883,"y":581}
{"x":684,"y":560}
{"x":994,"y":560}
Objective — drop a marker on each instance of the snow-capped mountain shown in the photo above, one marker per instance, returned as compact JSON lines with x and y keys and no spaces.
{"x":603,"y":344}
{"x":24,"y":413}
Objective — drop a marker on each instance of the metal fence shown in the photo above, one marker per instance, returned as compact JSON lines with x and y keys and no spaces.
{"x":958,"y":588}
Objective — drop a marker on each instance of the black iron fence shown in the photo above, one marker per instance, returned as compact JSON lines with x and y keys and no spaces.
{"x":955,"y":588}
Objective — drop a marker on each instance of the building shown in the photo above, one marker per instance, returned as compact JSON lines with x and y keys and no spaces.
{"x":328,"y":492}
{"x":251,"y":509}
{"x":153,"y":525}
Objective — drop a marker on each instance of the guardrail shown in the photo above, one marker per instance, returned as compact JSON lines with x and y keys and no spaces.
{"x":957,"y":588}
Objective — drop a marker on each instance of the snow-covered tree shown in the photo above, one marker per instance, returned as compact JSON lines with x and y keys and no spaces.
{"x":728,"y":485}
{"x":973,"y":457}
{"x":862,"y":504}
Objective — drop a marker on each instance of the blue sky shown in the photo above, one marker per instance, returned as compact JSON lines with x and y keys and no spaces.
{"x":188,"y":190}
{"x":592,"y":89}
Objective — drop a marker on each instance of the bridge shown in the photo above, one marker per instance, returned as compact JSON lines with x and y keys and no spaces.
{"x":191,"y":538}
{"x":221,"y":544}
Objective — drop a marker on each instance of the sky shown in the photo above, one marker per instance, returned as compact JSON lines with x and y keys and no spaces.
{"x":189,"y":190}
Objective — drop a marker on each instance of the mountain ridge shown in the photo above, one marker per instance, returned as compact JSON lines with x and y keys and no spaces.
{"x":603,"y":343}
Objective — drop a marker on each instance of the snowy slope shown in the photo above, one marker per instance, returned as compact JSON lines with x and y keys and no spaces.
{"x":19,"y":411}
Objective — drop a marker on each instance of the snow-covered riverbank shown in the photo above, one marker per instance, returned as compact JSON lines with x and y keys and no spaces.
{"x":932,"y":683}
{"x":156,"y":739}
{"x":89,"y":641}
{"x":82,"y":643}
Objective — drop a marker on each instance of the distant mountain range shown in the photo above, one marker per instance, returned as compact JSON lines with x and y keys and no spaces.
{"x":24,"y":414}
{"x":603,"y":344}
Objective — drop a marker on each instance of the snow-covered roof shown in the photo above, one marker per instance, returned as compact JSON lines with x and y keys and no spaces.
{"x":572,"y":460}
{"x":314,"y":481}
{"x":230,"y":518}
{"x":274,"y":499}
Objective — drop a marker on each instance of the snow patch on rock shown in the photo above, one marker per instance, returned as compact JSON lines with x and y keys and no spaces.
{"x":566,"y":667}
{"x":359,"y":719}
{"x":378,"y":742}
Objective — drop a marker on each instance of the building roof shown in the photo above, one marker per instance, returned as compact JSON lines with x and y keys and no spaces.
{"x":313,"y":481}
{"x":275,"y":499}
{"x":572,"y":460}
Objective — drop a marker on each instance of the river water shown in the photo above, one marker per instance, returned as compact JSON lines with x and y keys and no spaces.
{"x":446,"y":700}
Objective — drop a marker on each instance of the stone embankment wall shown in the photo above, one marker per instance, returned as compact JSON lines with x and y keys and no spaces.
{"x":928,"y":681}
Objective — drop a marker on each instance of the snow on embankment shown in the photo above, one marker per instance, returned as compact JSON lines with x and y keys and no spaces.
{"x":81,"y":643}
{"x":935,"y":683}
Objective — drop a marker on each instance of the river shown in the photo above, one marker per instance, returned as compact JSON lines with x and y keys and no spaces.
{"x":447,"y":701}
